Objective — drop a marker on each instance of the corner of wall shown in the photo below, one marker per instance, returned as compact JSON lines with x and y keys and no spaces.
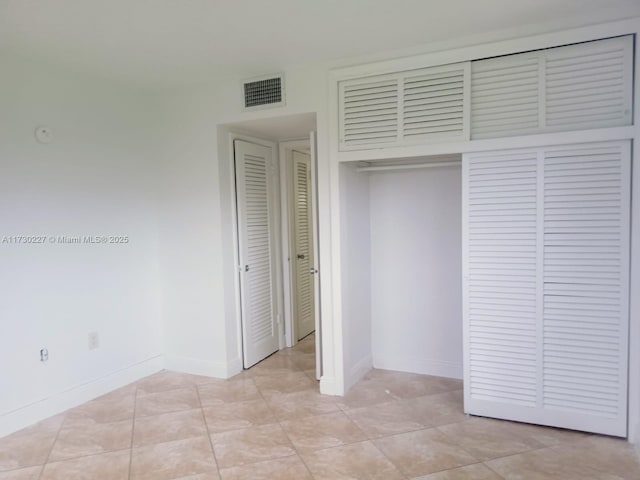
{"x":195,"y":366}
{"x":357,"y":371}
{"x":28,"y":415}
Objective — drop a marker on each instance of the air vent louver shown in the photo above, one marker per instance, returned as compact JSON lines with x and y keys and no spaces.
{"x":264,"y":92}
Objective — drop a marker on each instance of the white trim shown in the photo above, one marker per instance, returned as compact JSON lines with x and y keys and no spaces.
{"x":78,"y":394}
{"x":195,"y":366}
{"x":412,"y":166}
{"x":484,"y":50}
{"x":359,"y":370}
{"x":329,"y":386}
{"x":438,"y":368}
{"x":489,"y":144}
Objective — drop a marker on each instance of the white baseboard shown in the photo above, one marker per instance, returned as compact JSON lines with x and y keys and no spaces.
{"x":199,"y":367}
{"x":423,"y":366}
{"x":59,"y":402}
{"x":329,"y":386}
{"x":359,"y":370}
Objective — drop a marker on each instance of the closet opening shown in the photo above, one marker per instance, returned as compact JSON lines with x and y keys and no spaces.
{"x":401,"y":224}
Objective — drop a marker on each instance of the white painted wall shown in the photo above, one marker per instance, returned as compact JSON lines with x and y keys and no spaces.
{"x":416,"y":270}
{"x":196,"y":221}
{"x":355,"y":259}
{"x":98,"y":177}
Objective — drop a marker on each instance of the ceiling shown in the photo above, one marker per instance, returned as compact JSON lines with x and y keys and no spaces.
{"x":185,"y":42}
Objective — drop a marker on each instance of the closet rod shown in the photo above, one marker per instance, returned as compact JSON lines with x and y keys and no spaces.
{"x":408,"y":166}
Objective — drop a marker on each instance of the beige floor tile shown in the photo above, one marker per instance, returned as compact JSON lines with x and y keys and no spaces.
{"x":285,"y":383}
{"x":470,"y":472}
{"x":119,"y":393}
{"x":187,"y":458}
{"x":323,"y":431}
{"x":168,"y":401}
{"x":81,"y":440}
{"x":486,"y":438}
{"x":29,"y":473}
{"x":251,"y":445}
{"x":107,"y":466}
{"x":104,"y":410}
{"x":166,"y":380}
{"x":234,"y":416}
{"x":168,"y":427}
{"x":438,"y":409}
{"x":287,"y":406}
{"x":30,"y":446}
{"x":239,"y":389}
{"x":385,"y":419}
{"x":423,"y":452}
{"x":287,"y":468}
{"x":367,"y":392}
{"x":411,"y":385}
{"x":305,"y":361}
{"x":359,"y":461}
{"x":273,"y":365}
{"x":551,"y":464}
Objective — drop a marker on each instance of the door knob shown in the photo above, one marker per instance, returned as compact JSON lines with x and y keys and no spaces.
{"x":301,"y":256}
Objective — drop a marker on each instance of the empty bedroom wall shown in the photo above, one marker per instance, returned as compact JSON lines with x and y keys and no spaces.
{"x":97,"y":177}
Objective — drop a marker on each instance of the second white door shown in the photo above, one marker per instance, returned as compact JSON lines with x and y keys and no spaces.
{"x":303,"y":243}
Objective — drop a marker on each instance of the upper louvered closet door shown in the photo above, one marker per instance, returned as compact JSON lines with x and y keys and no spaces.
{"x":546,"y":284}
{"x":505,"y":96}
{"x":576,"y":87}
{"x":405,"y":108}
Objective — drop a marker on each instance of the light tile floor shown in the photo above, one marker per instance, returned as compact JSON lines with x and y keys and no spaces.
{"x":270,"y":422}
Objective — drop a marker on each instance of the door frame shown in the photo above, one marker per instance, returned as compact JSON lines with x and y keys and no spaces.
{"x":286,"y":197}
{"x":277,"y":235}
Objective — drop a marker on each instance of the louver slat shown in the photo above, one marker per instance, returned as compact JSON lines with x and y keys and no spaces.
{"x":576,"y":87}
{"x":501,"y":277}
{"x":504,"y":96}
{"x":405,"y":108}
{"x":370,"y":112}
{"x":585,"y":292}
{"x":589,"y":85}
{"x":433,"y":105}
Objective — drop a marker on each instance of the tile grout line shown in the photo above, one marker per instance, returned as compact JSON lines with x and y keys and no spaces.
{"x":64,"y":418}
{"x":279,"y":422}
{"x":206,"y":426}
{"x":133,"y":428}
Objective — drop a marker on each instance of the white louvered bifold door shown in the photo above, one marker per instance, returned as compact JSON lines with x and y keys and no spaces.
{"x":254,"y":193}
{"x":304,"y":299}
{"x":546,"y":259}
{"x":575,"y":87}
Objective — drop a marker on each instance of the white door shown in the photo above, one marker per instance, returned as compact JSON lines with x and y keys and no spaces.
{"x":255,"y":201}
{"x":546,"y":285}
{"x":303,"y":248}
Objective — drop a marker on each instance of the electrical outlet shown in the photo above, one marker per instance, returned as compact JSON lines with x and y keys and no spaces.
{"x":94,"y":341}
{"x":44,"y":355}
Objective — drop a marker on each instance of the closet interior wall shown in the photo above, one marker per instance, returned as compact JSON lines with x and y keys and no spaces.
{"x":402,"y":269}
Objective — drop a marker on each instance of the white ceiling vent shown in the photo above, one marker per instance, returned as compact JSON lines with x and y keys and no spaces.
{"x":263,"y":92}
